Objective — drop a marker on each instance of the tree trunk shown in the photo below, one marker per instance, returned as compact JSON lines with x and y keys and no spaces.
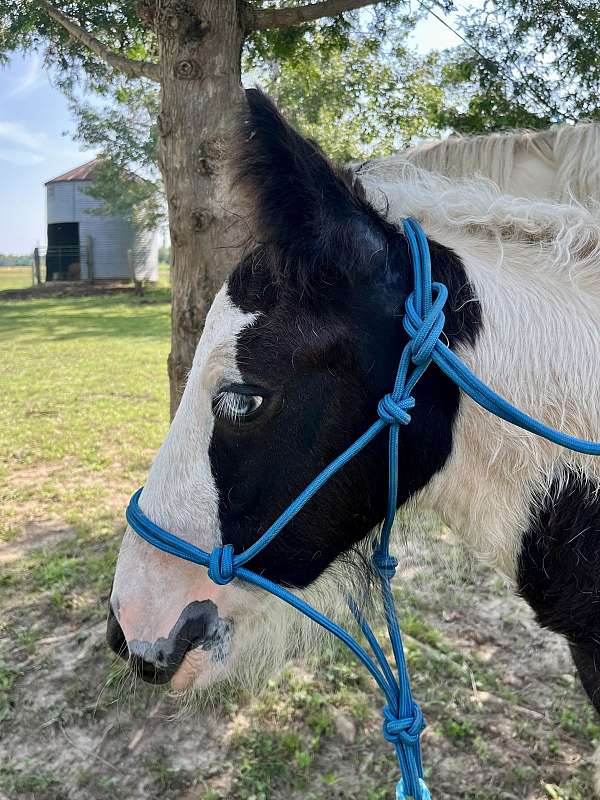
{"x":200,"y":44}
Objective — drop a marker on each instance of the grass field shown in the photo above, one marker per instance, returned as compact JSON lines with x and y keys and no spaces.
{"x":15,"y":278}
{"x":84,"y":406}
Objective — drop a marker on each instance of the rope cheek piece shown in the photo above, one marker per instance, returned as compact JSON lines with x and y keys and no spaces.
{"x":424,"y":323}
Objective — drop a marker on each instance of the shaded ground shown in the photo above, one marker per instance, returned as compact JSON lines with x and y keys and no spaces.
{"x":84,"y":399}
{"x":68,"y":289}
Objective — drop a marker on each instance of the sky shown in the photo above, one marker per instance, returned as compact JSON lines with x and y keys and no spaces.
{"x":37,"y":144}
{"x":33,"y":117}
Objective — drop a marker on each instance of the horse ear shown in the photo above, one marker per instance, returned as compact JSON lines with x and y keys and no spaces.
{"x":312,"y":216}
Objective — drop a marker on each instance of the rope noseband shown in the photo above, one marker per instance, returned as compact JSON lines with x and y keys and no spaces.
{"x":424,"y":324}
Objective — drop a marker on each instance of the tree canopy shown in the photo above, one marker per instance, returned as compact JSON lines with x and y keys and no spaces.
{"x":361,"y":92}
{"x":15,"y":261}
{"x":353,"y":82}
{"x":534,"y":63}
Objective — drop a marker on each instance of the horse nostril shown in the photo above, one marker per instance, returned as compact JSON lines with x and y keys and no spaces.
{"x":157,"y":662}
{"x":114,"y":635}
{"x":161,"y":658}
{"x":150,"y":671}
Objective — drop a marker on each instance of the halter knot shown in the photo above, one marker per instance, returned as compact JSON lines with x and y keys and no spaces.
{"x":425,"y":331}
{"x":404,"y":730}
{"x":385,"y":564}
{"x":395,"y":412}
{"x":221,"y":569}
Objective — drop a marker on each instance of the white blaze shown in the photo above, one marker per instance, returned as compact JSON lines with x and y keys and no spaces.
{"x":151,"y":588}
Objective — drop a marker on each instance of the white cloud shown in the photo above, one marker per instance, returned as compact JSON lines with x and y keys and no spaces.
{"x":32,"y":77}
{"x":17,"y":138}
{"x":21,"y":158}
{"x":19,"y":134}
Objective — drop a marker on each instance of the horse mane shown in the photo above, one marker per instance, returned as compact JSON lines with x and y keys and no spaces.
{"x":576,"y":151}
{"x":460,"y":156}
{"x":573,"y":150}
{"x":568,"y":232}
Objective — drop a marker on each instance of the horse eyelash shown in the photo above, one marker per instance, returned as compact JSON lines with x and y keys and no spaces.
{"x":225,"y":406}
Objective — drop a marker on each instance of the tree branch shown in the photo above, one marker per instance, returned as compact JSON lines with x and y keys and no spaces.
{"x":131,"y":68}
{"x":296,"y":15}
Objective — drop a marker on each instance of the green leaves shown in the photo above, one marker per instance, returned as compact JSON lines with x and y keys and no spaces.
{"x":353,"y":83}
{"x":123,"y":128}
{"x":24,"y":24}
{"x":538,"y":65}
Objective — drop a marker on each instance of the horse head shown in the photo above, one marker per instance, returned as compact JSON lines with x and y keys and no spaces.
{"x":300,"y":345}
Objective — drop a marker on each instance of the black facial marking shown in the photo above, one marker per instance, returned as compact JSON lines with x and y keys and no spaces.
{"x":312,"y":218}
{"x":559,"y":571}
{"x":329,"y":281}
{"x":114,"y":634}
{"x":199,"y":627}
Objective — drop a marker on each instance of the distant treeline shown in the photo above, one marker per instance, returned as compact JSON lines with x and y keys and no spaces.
{"x":164,"y":254}
{"x":15,"y":261}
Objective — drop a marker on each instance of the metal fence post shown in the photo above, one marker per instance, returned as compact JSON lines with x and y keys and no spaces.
{"x":37,"y":276}
{"x":89,"y":248}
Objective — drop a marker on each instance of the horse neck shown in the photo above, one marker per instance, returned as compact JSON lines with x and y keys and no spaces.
{"x":538,"y":346}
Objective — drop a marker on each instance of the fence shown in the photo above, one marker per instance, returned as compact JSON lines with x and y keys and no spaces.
{"x":84,"y":262}
{"x":61,"y":263}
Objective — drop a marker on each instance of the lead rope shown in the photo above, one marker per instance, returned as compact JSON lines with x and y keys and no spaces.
{"x":423,"y":322}
{"x":403,"y":720}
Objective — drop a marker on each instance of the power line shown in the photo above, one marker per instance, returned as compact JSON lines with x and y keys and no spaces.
{"x":533,"y":95}
{"x":455,"y":32}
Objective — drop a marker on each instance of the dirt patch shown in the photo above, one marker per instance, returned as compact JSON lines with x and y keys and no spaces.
{"x":68,"y":289}
{"x":32,"y":496}
{"x":35,"y":535}
{"x":507,"y":719}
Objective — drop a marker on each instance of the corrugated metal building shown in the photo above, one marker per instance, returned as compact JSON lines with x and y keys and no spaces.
{"x":90,"y":246}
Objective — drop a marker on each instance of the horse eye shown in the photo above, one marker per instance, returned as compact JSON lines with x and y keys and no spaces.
{"x":236,"y":406}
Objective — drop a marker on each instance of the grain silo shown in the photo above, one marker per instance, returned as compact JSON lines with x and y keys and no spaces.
{"x":85,"y":245}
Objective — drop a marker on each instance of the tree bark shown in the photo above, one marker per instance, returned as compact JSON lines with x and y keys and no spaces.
{"x":200,"y":45}
{"x":260,"y":19}
{"x":200,"y":48}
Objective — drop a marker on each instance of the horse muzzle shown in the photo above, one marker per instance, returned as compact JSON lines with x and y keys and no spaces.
{"x":198,"y":632}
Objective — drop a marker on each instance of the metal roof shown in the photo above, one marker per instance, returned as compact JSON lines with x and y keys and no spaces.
{"x":85,"y":172}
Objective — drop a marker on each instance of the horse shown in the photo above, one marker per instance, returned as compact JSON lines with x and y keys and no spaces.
{"x":300,"y":345}
{"x":561,"y":162}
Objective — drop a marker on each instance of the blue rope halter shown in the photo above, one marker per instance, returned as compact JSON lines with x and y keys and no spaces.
{"x":424,"y":323}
